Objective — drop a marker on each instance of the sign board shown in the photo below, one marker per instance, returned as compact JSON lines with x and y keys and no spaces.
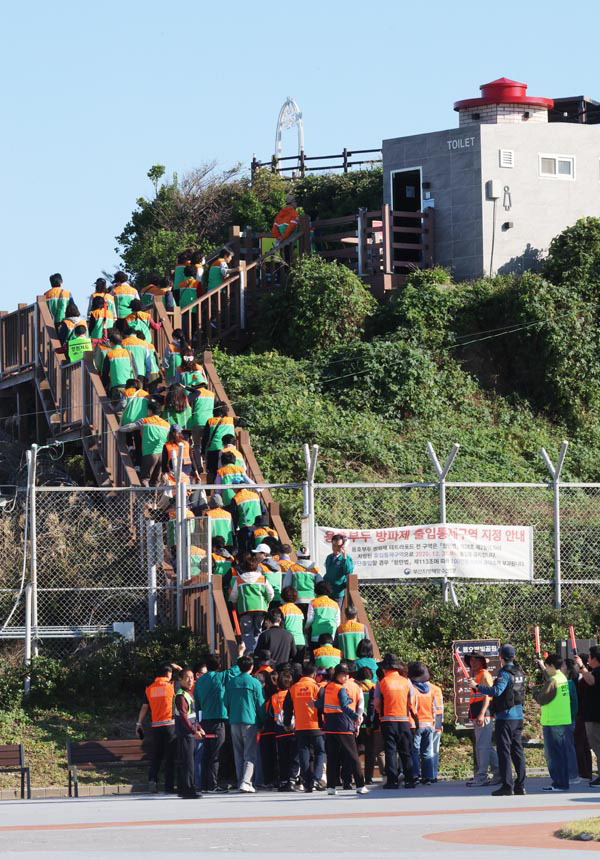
{"x":436,"y":551}
{"x":462,"y":691}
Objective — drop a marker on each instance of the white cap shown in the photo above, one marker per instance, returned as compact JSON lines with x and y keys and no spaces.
{"x":262,"y":547}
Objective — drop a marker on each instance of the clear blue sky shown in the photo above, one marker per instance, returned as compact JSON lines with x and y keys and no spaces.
{"x":94,"y":94}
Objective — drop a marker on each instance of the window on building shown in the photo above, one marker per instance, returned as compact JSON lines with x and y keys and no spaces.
{"x":557,"y":166}
{"x":507,"y":157}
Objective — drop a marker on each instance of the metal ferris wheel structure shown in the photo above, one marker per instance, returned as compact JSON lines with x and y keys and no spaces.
{"x":290,"y":115}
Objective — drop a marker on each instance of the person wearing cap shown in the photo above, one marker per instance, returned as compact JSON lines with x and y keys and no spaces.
{"x":508,"y":693}
{"x":423,"y":722}
{"x":338,"y":566}
{"x":394,"y":701}
{"x":286,"y":221}
{"x":340,"y":724}
{"x":276,"y":639}
{"x":251,"y":594}
{"x":483,"y":724}
{"x":270,"y":570}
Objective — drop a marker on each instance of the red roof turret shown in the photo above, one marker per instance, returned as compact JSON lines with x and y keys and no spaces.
{"x":504,"y":91}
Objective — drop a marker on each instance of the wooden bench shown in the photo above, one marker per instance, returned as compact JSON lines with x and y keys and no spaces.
{"x":95,"y":754}
{"x":12,"y":760}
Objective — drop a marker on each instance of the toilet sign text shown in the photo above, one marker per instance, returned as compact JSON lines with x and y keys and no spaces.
{"x":461,"y":143}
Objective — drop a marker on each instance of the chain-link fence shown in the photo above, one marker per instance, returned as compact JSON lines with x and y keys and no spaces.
{"x":520,"y":604}
{"x":107,"y":556}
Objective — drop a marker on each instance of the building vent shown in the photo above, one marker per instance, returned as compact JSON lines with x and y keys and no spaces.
{"x":507,"y":158}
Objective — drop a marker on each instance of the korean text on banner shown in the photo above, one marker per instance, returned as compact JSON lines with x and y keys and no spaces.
{"x":436,"y":551}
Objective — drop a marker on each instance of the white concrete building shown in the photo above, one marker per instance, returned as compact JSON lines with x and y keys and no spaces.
{"x":513,"y":175}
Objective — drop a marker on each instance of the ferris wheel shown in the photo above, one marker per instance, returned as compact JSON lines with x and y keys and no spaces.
{"x":290,"y":115}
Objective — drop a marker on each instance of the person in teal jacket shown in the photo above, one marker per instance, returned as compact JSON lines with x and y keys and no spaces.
{"x":245,"y":701}
{"x":209,"y":698}
{"x":338,"y":566}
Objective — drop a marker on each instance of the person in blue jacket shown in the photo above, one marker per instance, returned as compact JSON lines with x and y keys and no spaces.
{"x":508,"y":694}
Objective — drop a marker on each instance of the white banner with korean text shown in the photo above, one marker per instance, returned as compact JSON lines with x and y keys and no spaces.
{"x":436,"y":551}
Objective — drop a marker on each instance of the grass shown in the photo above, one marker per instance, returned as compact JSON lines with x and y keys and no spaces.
{"x":588,"y":826}
{"x":44,"y":733}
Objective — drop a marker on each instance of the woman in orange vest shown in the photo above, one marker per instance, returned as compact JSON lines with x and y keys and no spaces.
{"x":299,"y":708}
{"x":170,"y":454}
{"x":284,"y":734}
{"x":340,"y":723}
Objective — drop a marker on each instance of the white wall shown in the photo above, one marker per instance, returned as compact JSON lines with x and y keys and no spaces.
{"x":541,"y":207}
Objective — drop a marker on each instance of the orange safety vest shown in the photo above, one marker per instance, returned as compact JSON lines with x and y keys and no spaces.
{"x":396,"y":696}
{"x":304,"y":694}
{"x":173,"y":453}
{"x":275,"y":704}
{"x":160,"y":696}
{"x":354,"y":693}
{"x":438,"y":706}
{"x":285,"y":222}
{"x":424,"y":709}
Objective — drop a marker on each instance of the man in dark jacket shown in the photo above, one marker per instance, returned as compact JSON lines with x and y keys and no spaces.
{"x":508,"y":693}
{"x":277,"y":640}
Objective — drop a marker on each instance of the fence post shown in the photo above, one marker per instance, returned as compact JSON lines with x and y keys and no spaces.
{"x":310,"y":461}
{"x":32,"y":465}
{"x":442,"y":473}
{"x":555,"y":471}
{"x":152,"y":589}
{"x":179,"y":530}
{"x":27,"y":685}
{"x":386,"y":229}
{"x":361,"y":234}
{"x":242,"y":276}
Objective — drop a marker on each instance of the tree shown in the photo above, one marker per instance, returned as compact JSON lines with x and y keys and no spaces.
{"x":323,"y":305}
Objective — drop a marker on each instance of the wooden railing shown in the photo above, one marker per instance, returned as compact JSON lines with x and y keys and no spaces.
{"x":299,"y":163}
{"x":18,"y":339}
{"x":196,"y":608}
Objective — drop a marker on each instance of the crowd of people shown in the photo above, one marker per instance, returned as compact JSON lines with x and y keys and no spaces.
{"x":295,"y":726}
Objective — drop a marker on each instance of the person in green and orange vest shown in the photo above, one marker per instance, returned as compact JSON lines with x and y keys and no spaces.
{"x":350,"y":634}
{"x":57,"y":298}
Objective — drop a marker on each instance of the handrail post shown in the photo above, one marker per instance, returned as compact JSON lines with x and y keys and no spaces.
{"x":242,"y":294}
{"x":179,"y":531}
{"x":32,"y":465}
{"x":27,"y":684}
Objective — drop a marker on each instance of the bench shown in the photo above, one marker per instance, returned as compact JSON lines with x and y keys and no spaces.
{"x":12,"y":760}
{"x":95,"y":754}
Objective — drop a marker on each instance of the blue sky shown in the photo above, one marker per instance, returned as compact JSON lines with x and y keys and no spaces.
{"x":94,"y":94}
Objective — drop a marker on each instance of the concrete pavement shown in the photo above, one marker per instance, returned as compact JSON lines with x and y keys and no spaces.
{"x":418,"y":823}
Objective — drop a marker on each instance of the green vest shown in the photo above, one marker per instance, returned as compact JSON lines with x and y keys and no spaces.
{"x":123,"y":304}
{"x":202,"y":410}
{"x":248,"y":509}
{"x":251,"y":596}
{"x":221,"y":526}
{"x":348,"y":643}
{"x":135,"y":408}
{"x":191,"y":713}
{"x":294,"y":623}
{"x":139,"y":355}
{"x":120,"y":367}
{"x":221,"y":566}
{"x":192,"y":378}
{"x":139,"y":324}
{"x":304,"y":583}
{"x":173,"y":365}
{"x":558,"y":711}
{"x":325,"y":620}
{"x":221,"y":427}
{"x":215,"y":276}
{"x":181,"y":418}
{"x":154,"y":436}
{"x":275,"y":580}
{"x":187,"y":294}
{"x":77,"y":346}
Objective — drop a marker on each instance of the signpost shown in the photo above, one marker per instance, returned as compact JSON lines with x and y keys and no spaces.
{"x":462,"y":691}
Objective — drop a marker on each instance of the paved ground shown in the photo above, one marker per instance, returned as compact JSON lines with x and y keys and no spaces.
{"x":446,"y":818}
